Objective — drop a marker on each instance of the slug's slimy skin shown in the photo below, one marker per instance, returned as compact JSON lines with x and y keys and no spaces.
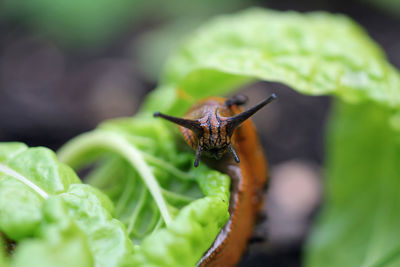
{"x":215,"y":126}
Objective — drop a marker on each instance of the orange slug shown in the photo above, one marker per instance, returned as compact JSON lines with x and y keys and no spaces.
{"x":213,"y":127}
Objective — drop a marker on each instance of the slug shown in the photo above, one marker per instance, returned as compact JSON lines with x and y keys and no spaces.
{"x":217,"y":127}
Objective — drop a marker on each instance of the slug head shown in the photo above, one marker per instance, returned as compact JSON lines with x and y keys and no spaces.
{"x":214,"y":132}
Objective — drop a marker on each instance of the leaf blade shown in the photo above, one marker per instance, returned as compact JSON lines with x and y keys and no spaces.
{"x":287,"y":47}
{"x":362,"y":197}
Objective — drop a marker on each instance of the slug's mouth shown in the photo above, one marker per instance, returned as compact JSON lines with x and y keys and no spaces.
{"x":216,"y":153}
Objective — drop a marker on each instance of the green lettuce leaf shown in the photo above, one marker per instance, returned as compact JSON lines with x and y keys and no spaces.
{"x":59,"y":241}
{"x":53,"y":217}
{"x":27,"y":178}
{"x":172,"y":211}
{"x":193,"y":230}
{"x":315,"y":53}
{"x":359,"y":225}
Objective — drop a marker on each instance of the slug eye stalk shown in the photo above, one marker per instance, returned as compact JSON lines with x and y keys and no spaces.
{"x":187,"y":123}
{"x":236,"y":120}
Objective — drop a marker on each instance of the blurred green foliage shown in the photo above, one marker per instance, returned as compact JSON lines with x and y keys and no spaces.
{"x":153,"y":47}
{"x":359,"y":223}
{"x":73,"y":22}
{"x":92,"y":24}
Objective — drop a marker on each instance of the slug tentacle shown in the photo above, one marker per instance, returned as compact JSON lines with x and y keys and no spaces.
{"x":238,"y":99}
{"x":193,"y":125}
{"x":236,"y":157}
{"x":236,"y":120}
{"x":198,"y":154}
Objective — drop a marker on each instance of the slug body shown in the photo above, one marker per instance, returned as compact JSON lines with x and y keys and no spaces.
{"x":216,"y":126}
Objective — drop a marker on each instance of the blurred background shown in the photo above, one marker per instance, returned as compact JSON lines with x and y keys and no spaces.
{"x":67,"y":65}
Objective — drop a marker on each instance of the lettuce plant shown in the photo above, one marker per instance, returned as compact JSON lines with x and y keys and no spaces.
{"x":172,"y":211}
{"x":168,"y":212}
